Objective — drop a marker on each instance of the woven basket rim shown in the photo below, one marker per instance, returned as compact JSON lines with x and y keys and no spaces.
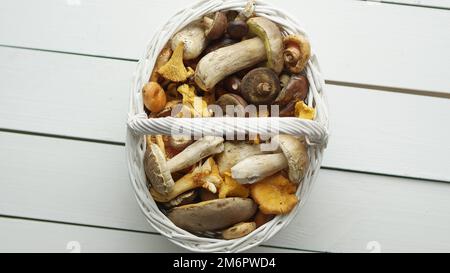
{"x":135,"y":144}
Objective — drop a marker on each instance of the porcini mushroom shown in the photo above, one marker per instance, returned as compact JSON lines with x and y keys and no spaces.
{"x":297,"y":53}
{"x":205,"y":147}
{"x":194,"y":40}
{"x":258,"y":167}
{"x":174,"y":69}
{"x":226,"y":61}
{"x":260,"y":86}
{"x":296,"y":153}
{"x":156,"y":170}
{"x":154,"y":97}
{"x":215,"y":28}
{"x":270,"y":33}
{"x":233,"y":153}
{"x":213,"y":215}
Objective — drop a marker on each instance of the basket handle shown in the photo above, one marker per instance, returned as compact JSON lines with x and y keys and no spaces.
{"x":316,"y":134}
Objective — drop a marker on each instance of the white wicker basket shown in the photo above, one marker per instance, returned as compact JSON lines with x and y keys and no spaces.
{"x":316,"y":132}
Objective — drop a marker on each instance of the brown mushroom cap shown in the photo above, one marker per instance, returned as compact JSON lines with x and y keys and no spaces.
{"x":296,"y":90}
{"x":233,"y":100}
{"x":260,"y":86}
{"x":215,"y":28}
{"x":237,"y":29}
{"x":155,"y":167}
{"x":213,"y":215}
{"x":297,"y":53}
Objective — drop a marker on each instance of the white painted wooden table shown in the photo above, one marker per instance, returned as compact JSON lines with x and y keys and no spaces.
{"x":65,"y":73}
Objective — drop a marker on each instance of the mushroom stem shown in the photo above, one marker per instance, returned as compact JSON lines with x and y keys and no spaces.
{"x":208,"y":22}
{"x":256,"y":168}
{"x":201,"y":149}
{"x":226,"y":61}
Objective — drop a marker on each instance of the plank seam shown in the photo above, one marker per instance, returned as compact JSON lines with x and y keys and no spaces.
{"x":420,"y":92}
{"x":125,"y":230}
{"x":406,"y":4}
{"x":122,"y":144}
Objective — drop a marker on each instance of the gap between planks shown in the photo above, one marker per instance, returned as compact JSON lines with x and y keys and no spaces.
{"x":419,"y":92}
{"x":27,"y":221}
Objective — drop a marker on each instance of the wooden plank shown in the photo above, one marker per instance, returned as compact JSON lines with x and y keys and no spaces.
{"x":357,"y":42}
{"x":34,"y":236}
{"x":87,"y":183}
{"x":370,"y":131}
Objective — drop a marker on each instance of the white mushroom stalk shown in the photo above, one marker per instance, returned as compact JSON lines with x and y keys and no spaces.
{"x":296,"y":153}
{"x":203,"y":148}
{"x":255,"y":168}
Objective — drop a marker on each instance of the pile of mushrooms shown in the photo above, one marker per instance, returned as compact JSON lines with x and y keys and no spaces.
{"x":211,"y":186}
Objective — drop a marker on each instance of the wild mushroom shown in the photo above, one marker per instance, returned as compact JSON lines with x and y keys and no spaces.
{"x":179,"y":143}
{"x":233,"y":84}
{"x":303,"y":111}
{"x":258,"y":167}
{"x":297,"y":53}
{"x":194,"y":40}
{"x":212,"y":215}
{"x":270,"y":33}
{"x":296,"y":90}
{"x":174,"y":69}
{"x":215,"y":28}
{"x":260,"y":86}
{"x":238,"y":231}
{"x":156,"y":170}
{"x":154,"y":97}
{"x":219,"y":44}
{"x":205,"y":147}
{"x":232,"y":188}
{"x":233,"y":153}
{"x":234,"y":100}
{"x":183,"y":185}
{"x":182,"y":200}
{"x":198,"y":105}
{"x":205,"y":176}
{"x":162,"y":59}
{"x":226,"y":61}
{"x":238,"y":28}
{"x":296,"y":153}
{"x":275,"y":195}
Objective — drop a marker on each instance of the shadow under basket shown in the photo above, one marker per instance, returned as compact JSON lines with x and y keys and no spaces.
{"x":315,"y":132}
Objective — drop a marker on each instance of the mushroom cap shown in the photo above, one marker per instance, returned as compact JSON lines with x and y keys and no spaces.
{"x":194,"y":40}
{"x":216,"y":28}
{"x":213,"y":215}
{"x":270,"y":33}
{"x":296,"y":153}
{"x":237,"y":29}
{"x":155,"y":167}
{"x":297,"y":52}
{"x":232,"y":100}
{"x":260,"y":86}
{"x":296,"y":90}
